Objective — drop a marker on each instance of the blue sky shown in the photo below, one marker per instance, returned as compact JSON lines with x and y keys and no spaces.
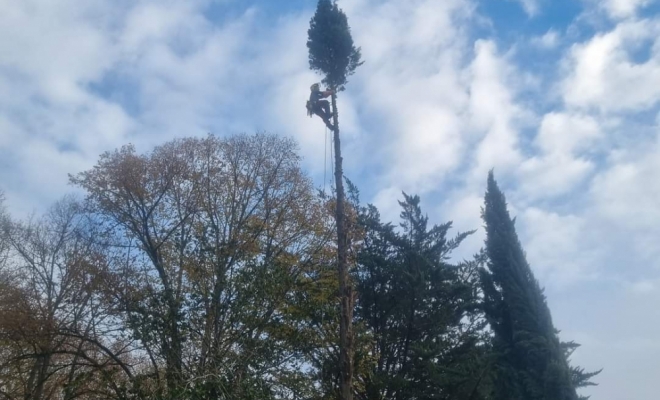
{"x":560,"y":97}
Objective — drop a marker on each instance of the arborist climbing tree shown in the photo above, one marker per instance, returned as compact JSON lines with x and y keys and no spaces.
{"x":320,"y":107}
{"x":332,"y":52}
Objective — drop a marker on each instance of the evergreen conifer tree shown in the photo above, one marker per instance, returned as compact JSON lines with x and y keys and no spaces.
{"x":421,"y":310}
{"x":332,"y":52}
{"x":531,"y":362}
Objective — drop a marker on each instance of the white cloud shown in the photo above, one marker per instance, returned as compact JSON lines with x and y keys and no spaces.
{"x":562,"y":132}
{"x":549,"y":40}
{"x":177,"y":24}
{"x":643,"y":287}
{"x":412,"y":87}
{"x":627,"y":192}
{"x":441,"y":105}
{"x":531,"y":7}
{"x":604,"y":75}
{"x":493,"y":111}
{"x":58,"y":46}
{"x":623,"y":8}
{"x":52,"y":123}
{"x":553,"y":174}
{"x":624,"y":198}
{"x":555,"y":246}
{"x":560,"y":164}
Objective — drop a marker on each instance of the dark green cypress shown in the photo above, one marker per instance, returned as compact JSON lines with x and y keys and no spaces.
{"x":428,"y":338}
{"x":531,"y":363}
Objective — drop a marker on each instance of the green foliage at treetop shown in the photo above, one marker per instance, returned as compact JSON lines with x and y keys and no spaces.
{"x":330,"y":44}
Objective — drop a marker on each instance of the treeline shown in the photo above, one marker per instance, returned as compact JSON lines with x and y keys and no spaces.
{"x":206,"y":269}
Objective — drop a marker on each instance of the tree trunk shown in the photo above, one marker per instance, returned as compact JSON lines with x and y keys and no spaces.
{"x":345,"y":287}
{"x":38,"y":377}
{"x":173,"y":360}
{"x":172,"y":346}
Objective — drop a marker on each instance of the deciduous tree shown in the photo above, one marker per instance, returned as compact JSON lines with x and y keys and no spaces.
{"x":211,"y":237}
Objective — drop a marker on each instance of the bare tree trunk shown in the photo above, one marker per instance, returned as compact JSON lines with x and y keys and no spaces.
{"x":38,"y":377}
{"x":33,"y":376}
{"x":174,"y":368}
{"x":172,"y":348}
{"x":345,"y":286}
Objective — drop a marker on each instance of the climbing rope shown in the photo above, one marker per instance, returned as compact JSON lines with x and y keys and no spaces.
{"x":326,"y":161}
{"x":325,"y":157}
{"x":332,"y":164}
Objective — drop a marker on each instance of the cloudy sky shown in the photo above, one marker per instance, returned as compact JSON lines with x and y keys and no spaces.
{"x":561,"y":97}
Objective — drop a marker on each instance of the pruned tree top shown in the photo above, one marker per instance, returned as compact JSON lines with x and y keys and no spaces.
{"x":331,"y":48}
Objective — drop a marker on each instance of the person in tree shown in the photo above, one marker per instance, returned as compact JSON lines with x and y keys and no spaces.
{"x":316,"y":104}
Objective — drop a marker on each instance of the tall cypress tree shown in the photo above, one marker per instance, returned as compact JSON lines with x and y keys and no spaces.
{"x":332,"y":52}
{"x":531,"y":362}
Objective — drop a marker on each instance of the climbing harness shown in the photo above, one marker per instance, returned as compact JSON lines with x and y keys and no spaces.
{"x":313,"y":110}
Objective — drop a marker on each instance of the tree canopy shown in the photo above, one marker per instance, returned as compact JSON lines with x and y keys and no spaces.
{"x":206,"y":268}
{"x":330,"y":44}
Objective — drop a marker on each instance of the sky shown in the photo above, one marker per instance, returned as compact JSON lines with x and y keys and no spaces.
{"x":560,"y":97}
